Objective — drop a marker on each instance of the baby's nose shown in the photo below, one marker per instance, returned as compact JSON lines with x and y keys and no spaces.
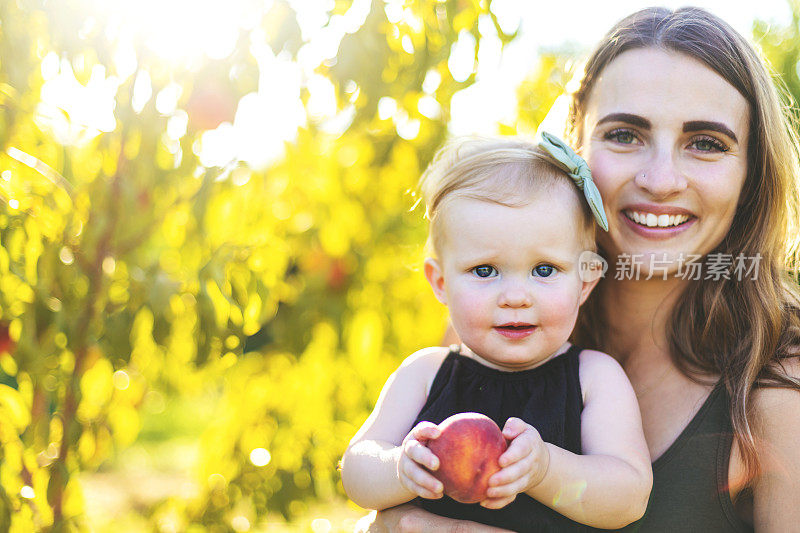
{"x":515,"y":295}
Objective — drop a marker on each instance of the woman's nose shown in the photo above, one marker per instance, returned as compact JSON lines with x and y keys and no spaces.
{"x":661,"y":177}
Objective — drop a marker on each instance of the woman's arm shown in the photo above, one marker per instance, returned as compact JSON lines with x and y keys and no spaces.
{"x":370,"y":463}
{"x":776,"y":489}
{"x":410,"y":518}
{"x":610,"y":484}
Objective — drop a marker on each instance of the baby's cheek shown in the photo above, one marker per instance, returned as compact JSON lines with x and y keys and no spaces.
{"x":561,"y":308}
{"x":468,"y":308}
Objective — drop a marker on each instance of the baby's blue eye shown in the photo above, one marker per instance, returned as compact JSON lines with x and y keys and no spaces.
{"x":544,"y":271}
{"x":483,"y":271}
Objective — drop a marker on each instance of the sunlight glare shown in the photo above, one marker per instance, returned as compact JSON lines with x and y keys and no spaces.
{"x":322,"y":98}
{"x":167,"y":99}
{"x":73,"y":112}
{"x":507,"y":13}
{"x":125,"y":61}
{"x":142,"y":91}
{"x":322,"y":35}
{"x":462,"y":56}
{"x":182,"y":30}
{"x":177,"y":124}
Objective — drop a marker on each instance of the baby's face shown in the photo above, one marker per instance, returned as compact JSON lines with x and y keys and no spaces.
{"x":510,"y":276}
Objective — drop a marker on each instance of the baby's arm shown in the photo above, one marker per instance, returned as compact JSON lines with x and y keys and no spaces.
{"x":608,"y":486}
{"x":376,"y":474}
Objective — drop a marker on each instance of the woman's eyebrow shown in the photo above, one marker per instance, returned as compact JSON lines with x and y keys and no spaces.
{"x":633,"y":120}
{"x":699,"y":125}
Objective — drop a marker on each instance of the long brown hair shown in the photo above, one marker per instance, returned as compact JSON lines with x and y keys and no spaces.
{"x":737,"y":329}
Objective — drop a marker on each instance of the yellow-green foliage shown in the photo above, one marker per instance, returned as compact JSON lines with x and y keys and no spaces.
{"x":287,"y":293}
{"x":127,"y":267}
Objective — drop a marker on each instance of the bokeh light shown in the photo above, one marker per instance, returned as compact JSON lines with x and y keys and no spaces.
{"x":260,"y":457}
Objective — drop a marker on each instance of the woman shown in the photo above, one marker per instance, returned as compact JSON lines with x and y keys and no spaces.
{"x":697,"y":166}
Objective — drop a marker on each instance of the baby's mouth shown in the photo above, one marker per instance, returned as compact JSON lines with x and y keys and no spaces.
{"x":516,"y":327}
{"x":651,"y":220}
{"x":516,"y":331}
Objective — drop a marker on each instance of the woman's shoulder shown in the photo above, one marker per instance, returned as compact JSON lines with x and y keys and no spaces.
{"x":770,"y":402}
{"x":776,"y":413}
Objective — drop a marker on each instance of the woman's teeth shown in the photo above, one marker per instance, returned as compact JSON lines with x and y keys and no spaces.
{"x":652,"y":220}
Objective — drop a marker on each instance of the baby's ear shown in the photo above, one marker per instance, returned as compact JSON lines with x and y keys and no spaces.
{"x":587,"y":288}
{"x":591,"y":267}
{"x":435,"y":276}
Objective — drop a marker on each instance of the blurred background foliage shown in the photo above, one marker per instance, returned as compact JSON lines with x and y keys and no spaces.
{"x":203,"y":285}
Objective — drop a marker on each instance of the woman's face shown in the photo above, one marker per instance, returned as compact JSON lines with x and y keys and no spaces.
{"x":666,"y":140}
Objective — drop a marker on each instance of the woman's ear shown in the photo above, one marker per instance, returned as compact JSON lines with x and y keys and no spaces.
{"x":435,"y":276}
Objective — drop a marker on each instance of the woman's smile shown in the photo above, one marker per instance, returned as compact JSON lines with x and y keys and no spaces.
{"x":657,"y":222}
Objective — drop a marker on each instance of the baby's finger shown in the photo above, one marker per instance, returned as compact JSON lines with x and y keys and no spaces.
{"x":425,"y":490}
{"x":421,"y":491}
{"x":497,"y":503}
{"x":415,"y":451}
{"x":514,"y":427}
{"x":424,"y":493}
{"x":418,"y":477}
{"x":512,"y":472}
{"x":519,"y":449}
{"x":508,"y":489}
{"x":425,"y":431}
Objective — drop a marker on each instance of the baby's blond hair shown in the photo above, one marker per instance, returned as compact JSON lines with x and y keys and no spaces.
{"x":503,"y":170}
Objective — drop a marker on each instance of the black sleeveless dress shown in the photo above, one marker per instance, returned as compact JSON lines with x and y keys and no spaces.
{"x":690,"y":480}
{"x":547,"y":397}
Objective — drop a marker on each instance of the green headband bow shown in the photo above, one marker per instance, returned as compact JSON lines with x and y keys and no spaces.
{"x":578,"y":170}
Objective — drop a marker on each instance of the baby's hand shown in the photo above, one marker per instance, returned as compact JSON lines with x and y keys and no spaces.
{"x":522,"y":466}
{"x":415,"y":455}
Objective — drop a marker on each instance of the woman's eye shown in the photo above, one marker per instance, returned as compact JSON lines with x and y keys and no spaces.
{"x":708,"y":144}
{"x":544,"y":271}
{"x":621,"y":136}
{"x":483,"y":271}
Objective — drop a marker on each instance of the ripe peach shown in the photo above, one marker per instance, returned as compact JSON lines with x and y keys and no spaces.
{"x":468,"y":449}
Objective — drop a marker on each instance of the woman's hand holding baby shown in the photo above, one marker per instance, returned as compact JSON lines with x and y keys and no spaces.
{"x":523,"y":466}
{"x":416,"y":455}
